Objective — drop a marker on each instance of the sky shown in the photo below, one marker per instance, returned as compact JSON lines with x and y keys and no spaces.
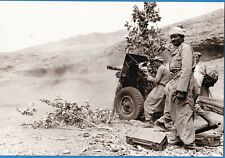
{"x":25,"y":24}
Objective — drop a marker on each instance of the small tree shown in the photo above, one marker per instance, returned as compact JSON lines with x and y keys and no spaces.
{"x":144,"y":35}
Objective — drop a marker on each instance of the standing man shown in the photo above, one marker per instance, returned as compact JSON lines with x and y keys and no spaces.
{"x":181,"y":89}
{"x":200,"y":69}
{"x":155,"y":99}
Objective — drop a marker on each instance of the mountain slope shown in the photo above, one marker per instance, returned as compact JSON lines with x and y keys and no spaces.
{"x":90,"y":43}
{"x":75,"y":68}
{"x":205,"y":33}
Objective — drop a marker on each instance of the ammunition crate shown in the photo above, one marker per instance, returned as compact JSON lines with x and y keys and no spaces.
{"x":148,"y":138}
{"x":204,"y":139}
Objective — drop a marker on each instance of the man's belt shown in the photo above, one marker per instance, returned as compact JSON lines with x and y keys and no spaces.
{"x":174,"y":70}
{"x":162,"y":84}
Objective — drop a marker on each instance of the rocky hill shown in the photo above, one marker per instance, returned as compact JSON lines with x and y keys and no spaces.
{"x":205,"y":33}
{"x":90,"y":43}
{"x":76,"y":67}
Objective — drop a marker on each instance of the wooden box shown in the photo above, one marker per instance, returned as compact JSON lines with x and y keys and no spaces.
{"x":205,"y":139}
{"x":148,"y":138}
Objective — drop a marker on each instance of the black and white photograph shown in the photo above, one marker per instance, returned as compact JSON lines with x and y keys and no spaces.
{"x":85,"y":78}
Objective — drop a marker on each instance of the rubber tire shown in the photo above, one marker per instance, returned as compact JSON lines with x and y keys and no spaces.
{"x":138,"y":103}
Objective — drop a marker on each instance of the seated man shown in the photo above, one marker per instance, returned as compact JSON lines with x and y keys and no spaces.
{"x":155,"y":99}
{"x":206,"y":77}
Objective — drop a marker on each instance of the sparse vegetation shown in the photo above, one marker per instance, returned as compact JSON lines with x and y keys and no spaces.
{"x":28,"y":111}
{"x":70,"y":113}
{"x":144,"y":35}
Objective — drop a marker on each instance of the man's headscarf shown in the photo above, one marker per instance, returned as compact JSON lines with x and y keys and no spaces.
{"x":197,"y":53}
{"x":213,"y":73}
{"x":210,"y":78}
{"x":205,"y":75}
{"x":177,"y":31}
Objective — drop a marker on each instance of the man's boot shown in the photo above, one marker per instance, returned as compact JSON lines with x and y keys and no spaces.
{"x":164,"y":122}
{"x":191,"y":146}
{"x":149,"y":122}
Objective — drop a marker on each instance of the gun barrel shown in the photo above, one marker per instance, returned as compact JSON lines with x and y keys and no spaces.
{"x":206,"y":128}
{"x":113,"y":68}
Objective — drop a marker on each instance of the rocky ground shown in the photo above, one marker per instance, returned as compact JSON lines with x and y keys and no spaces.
{"x":104,"y":139}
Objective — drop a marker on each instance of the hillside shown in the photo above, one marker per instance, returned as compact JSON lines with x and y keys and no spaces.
{"x":205,"y":33}
{"x":90,"y":43}
{"x":76,"y":67}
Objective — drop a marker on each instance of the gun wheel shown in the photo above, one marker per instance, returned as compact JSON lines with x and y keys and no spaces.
{"x":129,"y":103}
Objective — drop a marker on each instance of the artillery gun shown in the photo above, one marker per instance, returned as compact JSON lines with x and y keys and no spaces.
{"x":133,"y":86}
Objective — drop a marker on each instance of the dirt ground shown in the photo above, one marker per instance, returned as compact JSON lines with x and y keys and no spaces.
{"x":19,"y":91}
{"x":110,"y":140}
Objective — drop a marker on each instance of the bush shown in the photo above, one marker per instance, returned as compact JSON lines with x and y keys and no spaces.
{"x":70,"y":113}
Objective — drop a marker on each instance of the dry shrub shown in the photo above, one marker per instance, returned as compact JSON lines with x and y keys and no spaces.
{"x":70,"y":113}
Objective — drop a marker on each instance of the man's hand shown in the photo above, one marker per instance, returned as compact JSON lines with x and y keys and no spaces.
{"x":181,"y":95}
{"x":143,"y":67}
{"x":150,"y":78}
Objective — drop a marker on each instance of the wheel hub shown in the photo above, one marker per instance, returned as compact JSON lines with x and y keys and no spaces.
{"x":127,"y":104}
